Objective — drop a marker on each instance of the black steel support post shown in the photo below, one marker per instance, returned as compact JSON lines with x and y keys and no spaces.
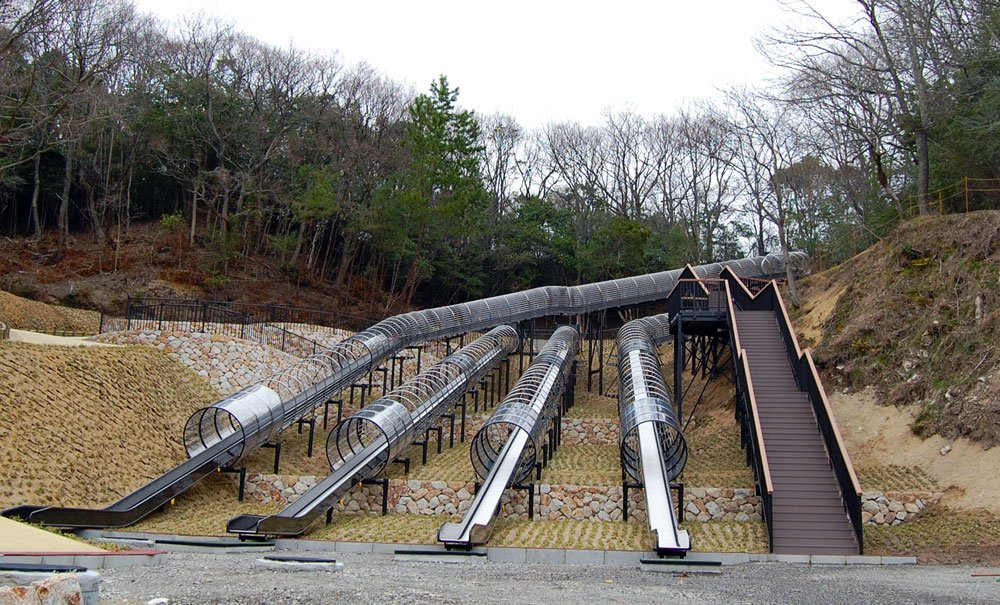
{"x":531,"y":496}
{"x":427,"y":436}
{"x":312,"y":430}
{"x":242,"y":472}
{"x":450,"y":417}
{"x":461,"y":404}
{"x":405,"y":461}
{"x":277,"y":454}
{"x":679,"y":367}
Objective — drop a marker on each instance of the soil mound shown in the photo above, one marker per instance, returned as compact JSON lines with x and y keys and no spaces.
{"x":23,"y":314}
{"x":917,"y":318}
{"x":83,"y":427}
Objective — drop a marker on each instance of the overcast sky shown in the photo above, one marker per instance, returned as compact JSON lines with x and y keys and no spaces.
{"x":540,"y":61}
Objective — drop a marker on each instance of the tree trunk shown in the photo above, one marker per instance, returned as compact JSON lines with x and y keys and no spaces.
{"x":194,"y":213}
{"x":923,"y":170}
{"x":411,"y":278}
{"x":62,"y":222}
{"x":793,"y":291}
{"x":34,"y":194}
{"x":346,"y":256}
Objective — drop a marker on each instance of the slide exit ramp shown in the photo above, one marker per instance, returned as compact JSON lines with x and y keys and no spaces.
{"x":361,"y":446}
{"x":505,"y":450}
{"x":653,"y":450}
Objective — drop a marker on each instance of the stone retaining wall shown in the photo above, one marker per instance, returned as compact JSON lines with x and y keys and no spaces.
{"x":551,"y":501}
{"x":568,"y":501}
{"x":227,"y":363}
{"x":892,"y":508}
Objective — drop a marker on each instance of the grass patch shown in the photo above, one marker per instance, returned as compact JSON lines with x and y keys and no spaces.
{"x":584,"y":465}
{"x":896,"y":478}
{"x":728,"y":536}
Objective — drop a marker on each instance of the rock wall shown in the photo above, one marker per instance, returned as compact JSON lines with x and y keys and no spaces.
{"x":227,"y":363}
{"x":552,"y":502}
{"x":892,"y":508}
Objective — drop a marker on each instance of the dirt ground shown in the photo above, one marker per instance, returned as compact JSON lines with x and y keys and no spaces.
{"x":84,"y":426}
{"x":878,"y":435}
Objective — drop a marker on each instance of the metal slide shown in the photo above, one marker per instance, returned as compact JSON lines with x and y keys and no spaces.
{"x":256,"y":415}
{"x":653,"y":450}
{"x":361,"y":446}
{"x":505,"y":449}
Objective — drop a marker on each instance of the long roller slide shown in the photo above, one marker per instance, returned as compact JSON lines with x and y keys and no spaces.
{"x":653,"y":450}
{"x":231,"y":429}
{"x":361,"y":446}
{"x":504,"y":450}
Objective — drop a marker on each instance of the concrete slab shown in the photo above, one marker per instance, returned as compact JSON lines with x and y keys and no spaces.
{"x":625,"y":558}
{"x":354,"y":547}
{"x":864,"y":560}
{"x":545,"y":555}
{"x":297,"y":565}
{"x":828,"y":559}
{"x":792,"y":559}
{"x":681,"y":569}
{"x":899,"y":560}
{"x":17,"y":537}
{"x":585,"y":557}
{"x":507,"y":555}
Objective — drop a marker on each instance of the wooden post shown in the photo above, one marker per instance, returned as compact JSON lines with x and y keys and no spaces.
{"x":854,"y":240}
{"x":940,"y":203}
{"x":966,"y":194}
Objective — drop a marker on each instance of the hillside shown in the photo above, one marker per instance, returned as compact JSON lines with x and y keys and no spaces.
{"x":149,"y":261}
{"x":909,"y":356}
{"x":917,"y":318}
{"x":91,"y":407}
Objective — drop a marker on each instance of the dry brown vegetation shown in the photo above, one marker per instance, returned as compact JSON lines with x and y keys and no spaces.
{"x":24,"y":314}
{"x":917,"y":318}
{"x":83,"y":427}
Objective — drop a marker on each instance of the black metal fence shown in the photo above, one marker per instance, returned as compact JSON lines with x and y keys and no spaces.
{"x":255,"y":322}
{"x":208,"y":310}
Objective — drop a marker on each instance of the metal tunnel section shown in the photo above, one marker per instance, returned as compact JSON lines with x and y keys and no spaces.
{"x":307,"y":384}
{"x":252,"y":413}
{"x":409,"y":409}
{"x":653,"y":450}
{"x":528,"y":406}
{"x":643,"y":397}
{"x":504,"y":451}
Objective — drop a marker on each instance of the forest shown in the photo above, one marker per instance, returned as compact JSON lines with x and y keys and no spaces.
{"x":110,"y":118}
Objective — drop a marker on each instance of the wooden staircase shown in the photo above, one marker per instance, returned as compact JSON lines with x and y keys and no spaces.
{"x":808,"y":510}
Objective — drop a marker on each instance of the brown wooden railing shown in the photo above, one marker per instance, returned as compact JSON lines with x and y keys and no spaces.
{"x":807,"y":378}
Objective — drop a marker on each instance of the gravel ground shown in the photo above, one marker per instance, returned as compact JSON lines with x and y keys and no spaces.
{"x":369,"y":578}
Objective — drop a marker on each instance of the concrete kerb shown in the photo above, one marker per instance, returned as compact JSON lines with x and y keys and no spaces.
{"x":501,"y":554}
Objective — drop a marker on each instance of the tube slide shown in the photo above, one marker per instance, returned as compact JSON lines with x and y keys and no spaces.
{"x":653,"y":450}
{"x":361,"y":446}
{"x":505,"y":449}
{"x":227,"y":431}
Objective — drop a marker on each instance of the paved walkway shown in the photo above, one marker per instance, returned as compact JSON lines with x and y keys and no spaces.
{"x":18,"y":537}
{"x":48,"y":339}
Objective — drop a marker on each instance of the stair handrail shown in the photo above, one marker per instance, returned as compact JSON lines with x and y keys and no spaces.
{"x":807,"y":377}
{"x":748,"y":416}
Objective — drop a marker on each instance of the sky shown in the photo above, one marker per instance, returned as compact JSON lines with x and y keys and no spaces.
{"x":542,"y":61}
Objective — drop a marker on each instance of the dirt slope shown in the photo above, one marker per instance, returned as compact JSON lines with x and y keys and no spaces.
{"x":917,"y":318}
{"x":84,"y":427}
{"x":24,"y":314}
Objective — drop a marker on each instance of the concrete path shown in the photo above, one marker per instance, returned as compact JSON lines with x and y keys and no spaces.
{"x":18,"y":537}
{"x":48,"y":339}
